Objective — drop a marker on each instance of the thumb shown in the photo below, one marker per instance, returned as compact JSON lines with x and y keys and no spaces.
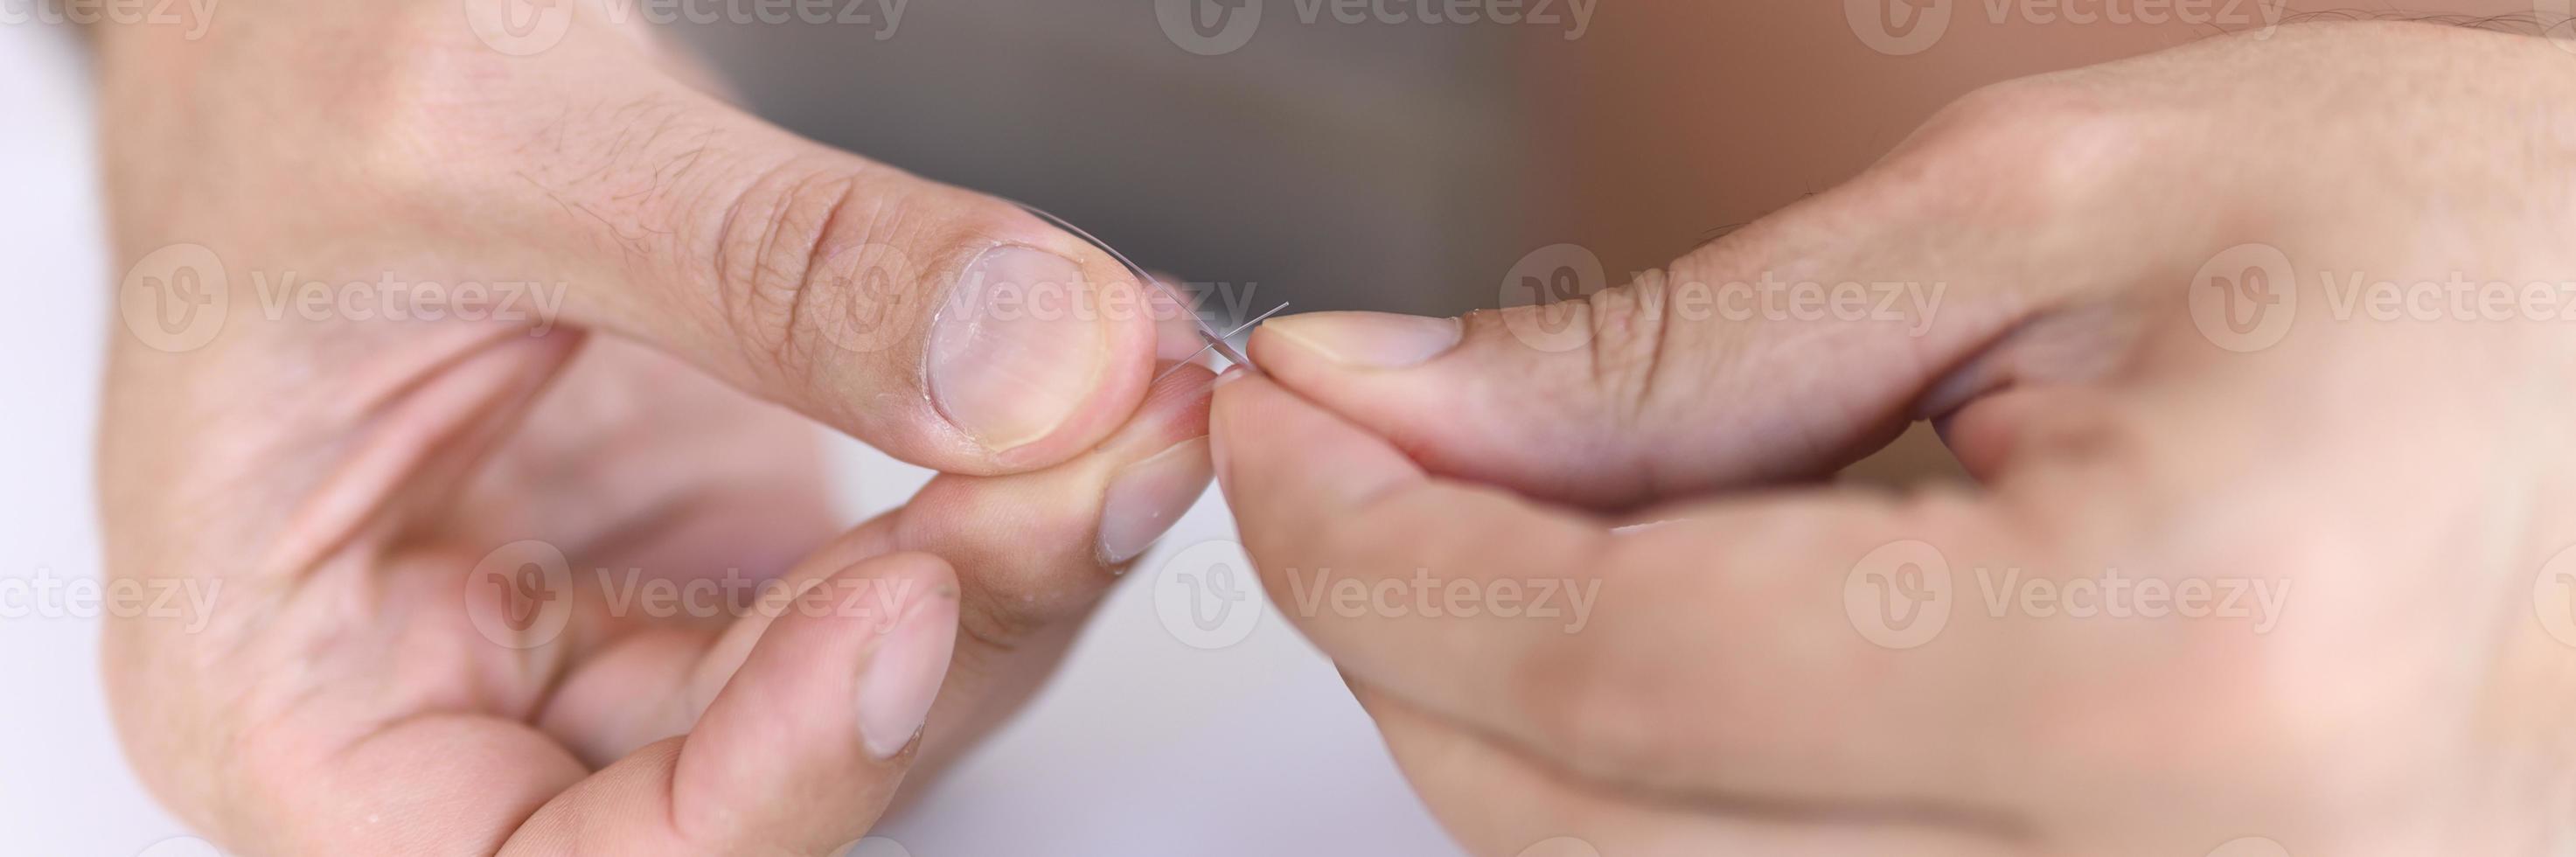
{"x":1805,"y":340}
{"x":805,"y":745}
{"x":952,"y":329}
{"x":1670,"y":384}
{"x":1787,"y":349}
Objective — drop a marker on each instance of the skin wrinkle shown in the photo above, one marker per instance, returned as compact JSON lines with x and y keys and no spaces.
{"x":2187,"y":438}
{"x":768,"y":278}
{"x":330,"y":528}
{"x":995,"y":516}
{"x":416,"y":649}
{"x":819,"y":253}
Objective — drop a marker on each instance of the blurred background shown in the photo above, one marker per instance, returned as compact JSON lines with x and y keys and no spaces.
{"x":1331,"y":166}
{"x":1394,"y":166}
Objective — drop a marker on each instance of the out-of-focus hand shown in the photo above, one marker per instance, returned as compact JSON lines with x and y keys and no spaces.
{"x":443,"y":378}
{"x":2261,"y":558}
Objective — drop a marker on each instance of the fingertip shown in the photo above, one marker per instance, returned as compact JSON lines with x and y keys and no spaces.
{"x":1042,"y":364}
{"x":1356,"y":341}
{"x":1274,"y":352}
{"x":1167,"y":467}
{"x":1470,"y":398}
{"x":1420,"y":382}
{"x":1275,"y":449}
{"x":1181,"y":399}
{"x":1300,"y":367}
{"x":1229,"y":398}
{"x":807,"y":739}
{"x":909,"y":663}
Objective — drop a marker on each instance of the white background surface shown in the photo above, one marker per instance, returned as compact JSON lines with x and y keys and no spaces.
{"x":1146,"y":745}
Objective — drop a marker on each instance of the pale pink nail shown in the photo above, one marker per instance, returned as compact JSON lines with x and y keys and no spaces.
{"x":905,"y":672}
{"x":1018,"y":347}
{"x":1146,"y":497}
{"x":1370,"y":340}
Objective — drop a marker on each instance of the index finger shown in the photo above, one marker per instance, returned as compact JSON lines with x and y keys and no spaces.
{"x":949,"y":328}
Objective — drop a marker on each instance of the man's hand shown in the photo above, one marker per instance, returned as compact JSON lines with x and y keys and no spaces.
{"x":418,"y":386}
{"x":2145,"y":342}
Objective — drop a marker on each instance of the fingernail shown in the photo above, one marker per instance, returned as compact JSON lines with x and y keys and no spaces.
{"x":904,"y":675}
{"x":1017,"y":349}
{"x":1370,"y":340}
{"x":1146,"y":497}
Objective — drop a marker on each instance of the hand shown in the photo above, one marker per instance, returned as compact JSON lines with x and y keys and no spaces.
{"x":446,"y":373}
{"x":2331,"y":523}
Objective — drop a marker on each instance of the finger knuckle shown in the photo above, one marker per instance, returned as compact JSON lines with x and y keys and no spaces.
{"x":766,"y":250}
{"x":811,"y":264}
{"x":2041,"y":147}
{"x":386,"y":115}
{"x":1630,"y":345}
